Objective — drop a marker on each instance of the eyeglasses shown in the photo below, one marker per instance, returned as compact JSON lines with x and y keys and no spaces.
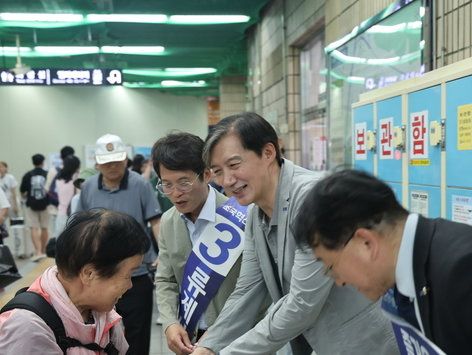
{"x":328,"y":269}
{"x":182,"y":186}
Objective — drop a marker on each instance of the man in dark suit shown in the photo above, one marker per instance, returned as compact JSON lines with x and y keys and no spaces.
{"x":367,"y":239}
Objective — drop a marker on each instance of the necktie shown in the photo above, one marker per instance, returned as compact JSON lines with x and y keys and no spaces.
{"x":406,"y":308}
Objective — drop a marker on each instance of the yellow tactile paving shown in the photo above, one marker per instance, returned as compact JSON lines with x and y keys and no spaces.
{"x":26,"y":280}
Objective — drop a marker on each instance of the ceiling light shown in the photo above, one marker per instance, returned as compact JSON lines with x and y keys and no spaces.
{"x":183,"y":84}
{"x":207,"y":19}
{"x":42,"y":17}
{"x":139,"y":50}
{"x":166,"y":84}
{"x":170,"y":72}
{"x":64,"y":50}
{"x":136,"y":18}
{"x":13,"y":51}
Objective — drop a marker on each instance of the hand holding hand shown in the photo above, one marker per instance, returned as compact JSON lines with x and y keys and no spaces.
{"x":178,"y":340}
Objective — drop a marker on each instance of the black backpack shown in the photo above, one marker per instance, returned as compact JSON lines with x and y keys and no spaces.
{"x":37,"y":198}
{"x":35,"y":303}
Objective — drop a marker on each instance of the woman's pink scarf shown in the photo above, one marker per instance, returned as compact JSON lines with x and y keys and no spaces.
{"x":52,"y":290}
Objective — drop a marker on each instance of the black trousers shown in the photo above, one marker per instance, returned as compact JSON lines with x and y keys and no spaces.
{"x":136,"y":309}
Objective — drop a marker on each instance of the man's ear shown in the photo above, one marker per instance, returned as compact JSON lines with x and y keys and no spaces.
{"x":369,"y":242}
{"x":207,"y":175}
{"x":268,"y":151}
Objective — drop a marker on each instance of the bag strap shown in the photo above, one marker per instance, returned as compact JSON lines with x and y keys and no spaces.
{"x":35,"y":303}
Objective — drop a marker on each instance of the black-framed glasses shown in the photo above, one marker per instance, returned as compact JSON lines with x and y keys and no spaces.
{"x":182,"y":186}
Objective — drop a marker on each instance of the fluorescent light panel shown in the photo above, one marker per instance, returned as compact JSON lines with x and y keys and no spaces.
{"x":206,"y":19}
{"x":165,"y":84}
{"x":170,"y":72}
{"x":66,"y":50}
{"x":137,"y":18}
{"x":44,"y":17}
{"x":54,"y":51}
{"x":138,"y":50}
{"x":134,"y":18}
{"x":183,"y":84}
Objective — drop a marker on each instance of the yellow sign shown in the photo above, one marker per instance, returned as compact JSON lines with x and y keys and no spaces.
{"x":464,"y":127}
{"x":419,"y":162}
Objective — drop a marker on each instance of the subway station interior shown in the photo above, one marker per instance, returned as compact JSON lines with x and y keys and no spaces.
{"x":377,"y":85}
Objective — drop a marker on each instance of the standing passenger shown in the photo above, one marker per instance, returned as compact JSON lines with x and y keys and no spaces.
{"x":33,"y":188}
{"x":309,"y":311}
{"x":177,"y":160}
{"x":8,"y":184}
{"x":118,"y":189}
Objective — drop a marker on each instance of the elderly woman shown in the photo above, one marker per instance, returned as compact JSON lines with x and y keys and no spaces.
{"x":95,"y":257}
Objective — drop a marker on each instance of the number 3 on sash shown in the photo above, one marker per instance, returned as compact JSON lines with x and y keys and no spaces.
{"x":222,"y":245}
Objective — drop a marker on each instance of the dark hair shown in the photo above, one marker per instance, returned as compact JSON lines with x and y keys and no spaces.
{"x":179,"y":151}
{"x":37,"y":159}
{"x":4,"y":164}
{"x":66,"y":151}
{"x":342,"y":202}
{"x":137,"y":163}
{"x":99,"y":237}
{"x":71,"y":165}
{"x":253,"y":131}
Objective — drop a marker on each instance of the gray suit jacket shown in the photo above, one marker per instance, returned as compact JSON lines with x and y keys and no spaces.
{"x":174,"y":248}
{"x":334,"y":320}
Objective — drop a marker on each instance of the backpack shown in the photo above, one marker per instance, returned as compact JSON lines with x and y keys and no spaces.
{"x":37,"y":198}
{"x":35,"y":303}
{"x":52,"y":192}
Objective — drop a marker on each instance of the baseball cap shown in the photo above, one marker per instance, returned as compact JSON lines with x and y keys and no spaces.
{"x":109,"y":148}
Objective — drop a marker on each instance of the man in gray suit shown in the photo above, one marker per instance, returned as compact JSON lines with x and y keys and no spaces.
{"x":183,"y":178}
{"x":308,"y":311}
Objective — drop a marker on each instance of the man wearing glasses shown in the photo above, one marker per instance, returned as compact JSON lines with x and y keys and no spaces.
{"x":118,"y":189}
{"x":183,"y":283}
{"x":420,"y":267}
{"x":308,"y":310}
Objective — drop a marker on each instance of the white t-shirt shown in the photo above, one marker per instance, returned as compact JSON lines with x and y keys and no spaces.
{"x":7,"y":183}
{"x":3,"y":200}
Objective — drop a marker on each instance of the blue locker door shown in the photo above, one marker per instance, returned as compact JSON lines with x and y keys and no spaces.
{"x":389,"y":115}
{"x":424,"y":160}
{"x":459,"y":205}
{"x":459,"y":132}
{"x":363,"y":118}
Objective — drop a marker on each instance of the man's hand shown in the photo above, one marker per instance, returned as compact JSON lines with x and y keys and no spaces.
{"x":178,"y":340}
{"x":199,"y":350}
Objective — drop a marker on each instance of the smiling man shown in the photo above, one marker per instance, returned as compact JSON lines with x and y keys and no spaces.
{"x":118,"y":189}
{"x":365,"y":238}
{"x":188,"y":295}
{"x":308,"y":311}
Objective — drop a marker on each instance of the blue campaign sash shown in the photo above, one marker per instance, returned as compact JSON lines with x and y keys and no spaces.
{"x":410,"y":340}
{"x":210,"y":261}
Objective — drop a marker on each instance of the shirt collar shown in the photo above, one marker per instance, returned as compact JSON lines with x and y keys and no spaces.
{"x":123,"y":182}
{"x":208,"y":211}
{"x":404,"y":269}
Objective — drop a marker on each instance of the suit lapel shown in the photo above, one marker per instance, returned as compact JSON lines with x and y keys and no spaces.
{"x":421,"y":251}
{"x":283,"y":200}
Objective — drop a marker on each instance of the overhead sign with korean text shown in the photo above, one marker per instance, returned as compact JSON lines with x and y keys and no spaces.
{"x":360,"y":140}
{"x":63,"y":77}
{"x":385,"y":138}
{"x":419,"y":139}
